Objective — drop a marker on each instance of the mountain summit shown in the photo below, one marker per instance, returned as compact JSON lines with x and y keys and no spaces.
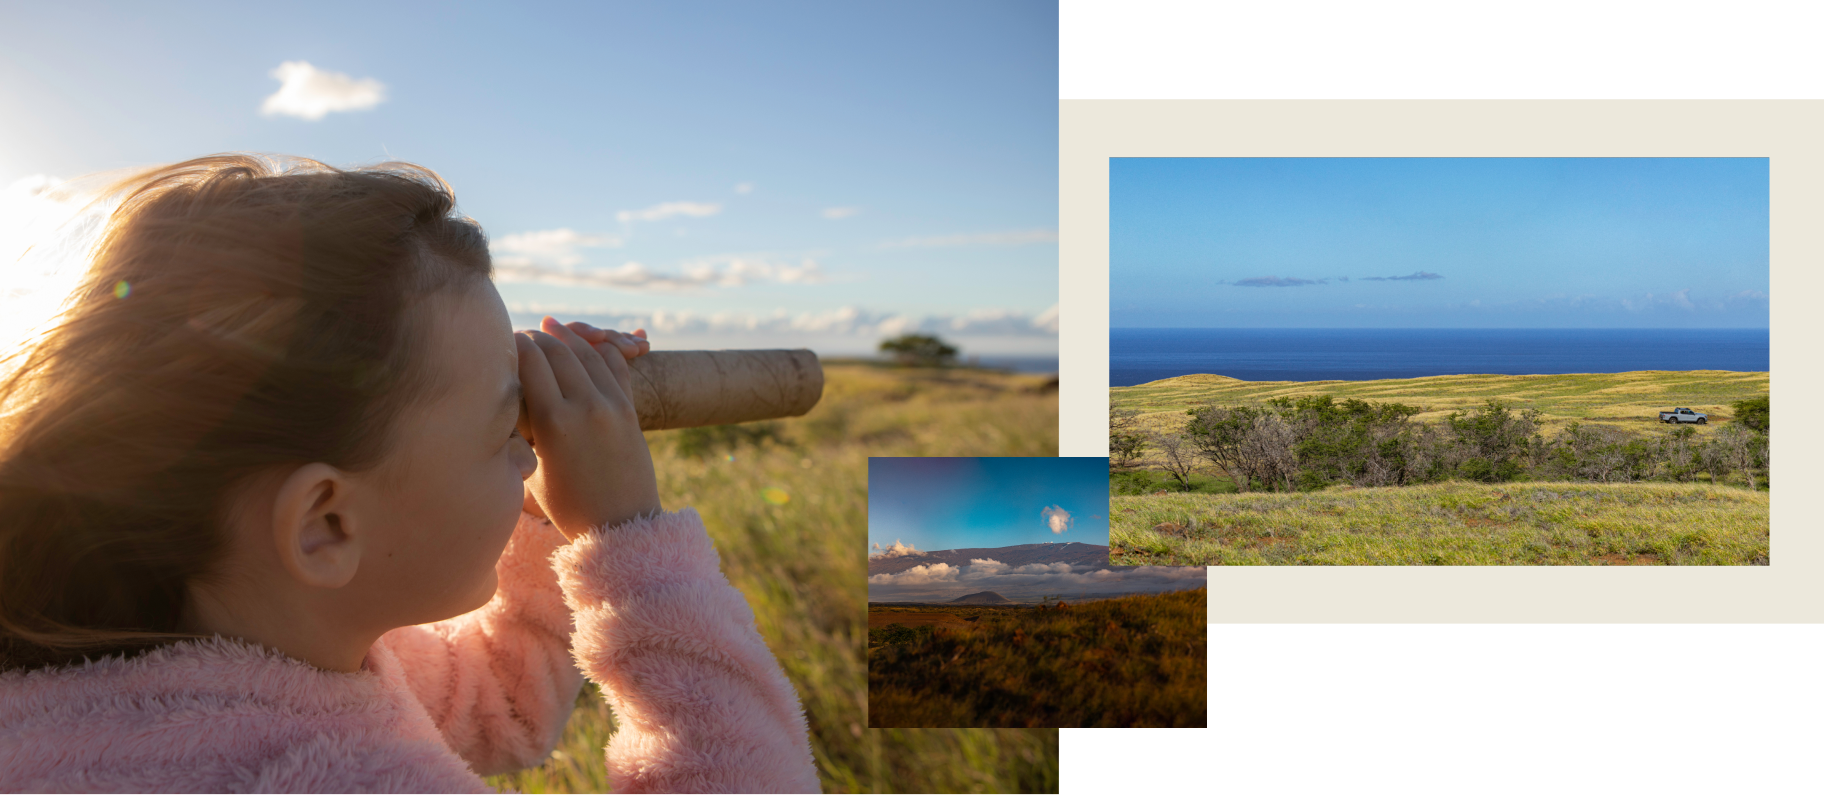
{"x":983,"y":598}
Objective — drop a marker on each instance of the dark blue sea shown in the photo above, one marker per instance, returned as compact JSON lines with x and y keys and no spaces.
{"x":1139,"y":355}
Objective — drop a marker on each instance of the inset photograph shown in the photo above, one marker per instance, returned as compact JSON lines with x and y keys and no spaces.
{"x":992,"y":603}
{"x":1439,"y":361}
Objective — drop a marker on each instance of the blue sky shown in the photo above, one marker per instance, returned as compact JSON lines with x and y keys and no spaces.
{"x":959,"y":503}
{"x":731,"y":174}
{"x":1438,"y":242}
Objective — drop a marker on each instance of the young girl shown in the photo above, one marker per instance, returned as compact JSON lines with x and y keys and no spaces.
{"x":271,"y":518}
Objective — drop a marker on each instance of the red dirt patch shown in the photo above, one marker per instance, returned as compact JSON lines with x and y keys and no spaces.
{"x":1169,"y":528}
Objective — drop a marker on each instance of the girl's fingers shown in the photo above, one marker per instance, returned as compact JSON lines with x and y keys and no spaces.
{"x":629,"y":345}
{"x":566,"y":368}
{"x":587,"y":331}
{"x":535,"y":375}
{"x":593,"y":362}
{"x":617,"y":364}
{"x":606,"y":343}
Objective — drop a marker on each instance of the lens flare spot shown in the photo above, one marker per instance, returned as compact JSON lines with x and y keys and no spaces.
{"x":730,"y":458}
{"x":775,"y":496}
{"x":122,"y":289}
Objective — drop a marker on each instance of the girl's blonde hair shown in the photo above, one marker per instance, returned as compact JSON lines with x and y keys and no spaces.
{"x":242,"y":314}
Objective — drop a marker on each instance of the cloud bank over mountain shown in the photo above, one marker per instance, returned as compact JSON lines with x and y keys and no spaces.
{"x":1025,"y":573}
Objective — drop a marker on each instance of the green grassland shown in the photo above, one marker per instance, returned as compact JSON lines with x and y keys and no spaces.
{"x":1125,"y":662}
{"x":787,"y":506}
{"x":1453,"y":523}
{"x":1631,"y":401}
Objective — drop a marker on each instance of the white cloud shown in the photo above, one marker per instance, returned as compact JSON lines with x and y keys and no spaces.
{"x":709,"y":272}
{"x":745,"y":187}
{"x":1047,"y":320}
{"x":664,"y":210}
{"x":838,"y":213}
{"x":1677,"y":300}
{"x":981,"y":572}
{"x":846,"y":321}
{"x":1045,"y":568}
{"x":552,"y":245}
{"x":1003,"y":322}
{"x":1056,"y":518}
{"x":311,"y":93}
{"x":1010,"y":238}
{"x":922,"y":574}
{"x":944,"y":581}
{"x":897,"y":550}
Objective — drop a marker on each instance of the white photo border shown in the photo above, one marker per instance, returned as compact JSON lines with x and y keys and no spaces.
{"x":1503,"y":655}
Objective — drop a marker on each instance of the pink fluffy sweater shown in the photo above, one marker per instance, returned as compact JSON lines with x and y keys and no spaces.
{"x":642,"y":608}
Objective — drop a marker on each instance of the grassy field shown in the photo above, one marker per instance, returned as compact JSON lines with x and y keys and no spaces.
{"x":787,"y":506}
{"x":1625,"y":400}
{"x":1132,"y":661}
{"x":914,"y":620}
{"x":1454,"y":523}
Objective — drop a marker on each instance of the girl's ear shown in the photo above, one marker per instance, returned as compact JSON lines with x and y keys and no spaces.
{"x":311,"y":526}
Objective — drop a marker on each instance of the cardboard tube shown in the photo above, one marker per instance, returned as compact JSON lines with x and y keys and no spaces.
{"x":686,"y":389}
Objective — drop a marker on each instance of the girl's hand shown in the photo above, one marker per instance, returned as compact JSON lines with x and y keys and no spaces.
{"x":593,"y":465}
{"x":630,"y":345}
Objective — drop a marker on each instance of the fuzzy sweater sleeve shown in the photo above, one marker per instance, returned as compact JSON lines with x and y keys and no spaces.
{"x":499,"y":681}
{"x":702,"y":704}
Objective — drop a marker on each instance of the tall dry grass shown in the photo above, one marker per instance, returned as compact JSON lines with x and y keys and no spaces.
{"x":788,"y":512}
{"x":1135,"y":661}
{"x":1453,"y":523}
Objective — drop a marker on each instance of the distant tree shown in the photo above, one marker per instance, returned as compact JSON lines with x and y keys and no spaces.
{"x":1180,"y":457}
{"x":1267,"y":452}
{"x":1766,"y":453}
{"x":1678,"y":454}
{"x":1606,"y":454}
{"x":1742,"y":448}
{"x":1353,"y":441}
{"x":1219,"y":435}
{"x":1712,"y":458}
{"x":919,"y":350}
{"x":1756,"y":413}
{"x":1494,"y":440}
{"x":1125,"y":439}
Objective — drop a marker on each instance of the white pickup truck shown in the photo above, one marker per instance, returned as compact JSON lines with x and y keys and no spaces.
{"x":1684,"y":415}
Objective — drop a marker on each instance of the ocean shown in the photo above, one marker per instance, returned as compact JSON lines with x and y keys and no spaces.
{"x":1139,"y":355}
